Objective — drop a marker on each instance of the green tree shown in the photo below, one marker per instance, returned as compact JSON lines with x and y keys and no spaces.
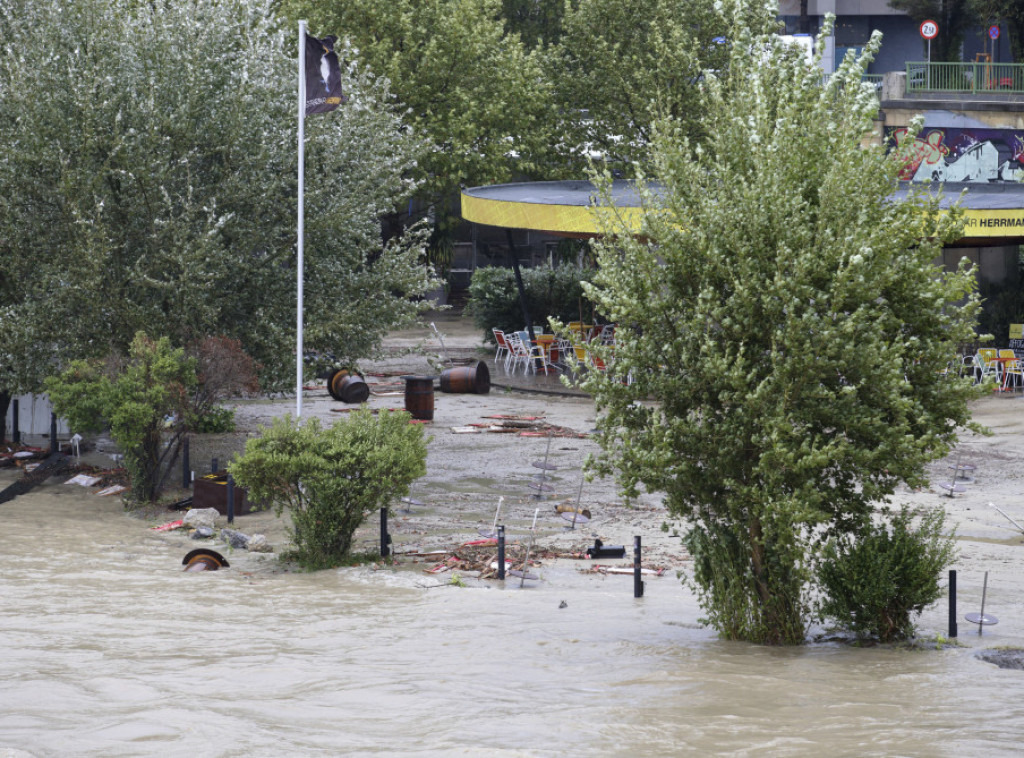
{"x":471,"y":89}
{"x":1010,"y":12}
{"x":550,"y":293}
{"x":788,"y":322}
{"x":143,"y":398}
{"x":537,"y":22}
{"x":148,"y":182}
{"x":954,"y":18}
{"x":330,"y":479}
{"x":621,"y":66}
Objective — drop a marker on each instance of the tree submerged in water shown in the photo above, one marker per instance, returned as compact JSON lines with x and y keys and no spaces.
{"x":789,"y":322}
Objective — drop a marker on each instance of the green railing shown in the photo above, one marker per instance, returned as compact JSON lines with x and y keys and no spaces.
{"x":965,"y":77}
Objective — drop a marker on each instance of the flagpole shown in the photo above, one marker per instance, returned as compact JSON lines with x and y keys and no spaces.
{"x":301,"y":229}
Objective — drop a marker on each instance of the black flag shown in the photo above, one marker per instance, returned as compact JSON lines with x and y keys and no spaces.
{"x":323,"y":76}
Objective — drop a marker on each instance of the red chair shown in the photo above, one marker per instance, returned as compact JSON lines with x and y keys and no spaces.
{"x":503,"y":348}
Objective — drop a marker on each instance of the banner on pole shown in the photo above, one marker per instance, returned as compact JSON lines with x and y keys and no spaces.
{"x":323,"y":76}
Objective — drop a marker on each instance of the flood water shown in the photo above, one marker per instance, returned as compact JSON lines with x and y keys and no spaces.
{"x":109,"y":649}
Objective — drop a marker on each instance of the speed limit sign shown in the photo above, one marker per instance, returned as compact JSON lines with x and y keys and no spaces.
{"x":929,"y":29}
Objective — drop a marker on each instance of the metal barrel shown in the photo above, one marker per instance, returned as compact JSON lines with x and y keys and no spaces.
{"x":419,"y":397}
{"x":475,"y":379}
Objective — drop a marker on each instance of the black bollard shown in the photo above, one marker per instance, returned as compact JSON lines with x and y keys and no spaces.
{"x":54,"y":447}
{"x":385,"y":538}
{"x":15,"y":427}
{"x":952,"y":603}
{"x":638,"y":582}
{"x":186,"y":467}
{"x":213,"y":466}
{"x":501,"y":551}
{"x":231,"y":499}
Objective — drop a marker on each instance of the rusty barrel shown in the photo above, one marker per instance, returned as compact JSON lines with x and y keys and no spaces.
{"x":472,"y":379}
{"x":348,"y":388}
{"x":419,"y":397}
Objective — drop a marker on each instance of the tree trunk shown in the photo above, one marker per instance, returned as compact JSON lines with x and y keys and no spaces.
{"x":5,"y":404}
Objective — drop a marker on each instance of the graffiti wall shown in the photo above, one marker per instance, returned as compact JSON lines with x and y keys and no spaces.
{"x":962,"y":155}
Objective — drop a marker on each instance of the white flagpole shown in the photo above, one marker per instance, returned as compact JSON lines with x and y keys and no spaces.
{"x":301,"y":230}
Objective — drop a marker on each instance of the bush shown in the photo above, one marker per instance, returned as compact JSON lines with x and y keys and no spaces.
{"x":875,"y":580}
{"x":550,"y":293}
{"x":330,"y":479}
{"x":218,"y":420}
{"x":142,"y":398}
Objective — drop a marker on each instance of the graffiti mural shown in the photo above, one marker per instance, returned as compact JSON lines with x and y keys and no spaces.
{"x":962,"y":155}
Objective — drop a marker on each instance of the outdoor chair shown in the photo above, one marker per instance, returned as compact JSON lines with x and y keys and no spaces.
{"x":985,"y":365}
{"x":518,"y":352}
{"x":1013,"y":375}
{"x":503,"y":352}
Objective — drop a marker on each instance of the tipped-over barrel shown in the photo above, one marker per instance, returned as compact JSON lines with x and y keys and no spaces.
{"x":472,"y":379}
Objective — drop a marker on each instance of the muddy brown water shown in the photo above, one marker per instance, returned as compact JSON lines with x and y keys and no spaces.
{"x":109,"y":649}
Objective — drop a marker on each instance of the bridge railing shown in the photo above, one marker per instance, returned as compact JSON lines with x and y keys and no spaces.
{"x":965,"y":77}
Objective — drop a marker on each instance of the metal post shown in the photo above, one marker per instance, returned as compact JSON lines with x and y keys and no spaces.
{"x":501,"y":552}
{"x":299,"y":259}
{"x":385,"y":538}
{"x":638,"y":582}
{"x":186,"y":467}
{"x":54,"y":447}
{"x":952,"y":603}
{"x":981,"y":616}
{"x":213,"y":466}
{"x":231,"y":499}
{"x":15,"y":426}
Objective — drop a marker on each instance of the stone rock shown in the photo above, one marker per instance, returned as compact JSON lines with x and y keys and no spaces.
{"x":197,"y":517}
{"x":258,"y":544}
{"x":202,"y":532}
{"x":237,"y":540}
{"x":1005,"y":658}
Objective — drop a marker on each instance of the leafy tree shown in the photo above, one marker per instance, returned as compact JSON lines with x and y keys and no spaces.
{"x":788,"y":321}
{"x":223,"y":371}
{"x":622,"y":66}
{"x":1011,"y":12}
{"x":954,"y":18}
{"x":874,"y":581}
{"x":330,"y":479}
{"x":148,"y":182}
{"x":470,"y":88}
{"x":537,"y":22}
{"x":550,"y":293}
{"x":143,"y":398}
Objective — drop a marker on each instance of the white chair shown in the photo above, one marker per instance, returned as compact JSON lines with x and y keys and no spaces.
{"x":1013,"y":375}
{"x":984,"y":368}
{"x":518,"y":354}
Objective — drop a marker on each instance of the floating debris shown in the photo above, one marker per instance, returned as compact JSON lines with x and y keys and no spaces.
{"x":203,"y":559}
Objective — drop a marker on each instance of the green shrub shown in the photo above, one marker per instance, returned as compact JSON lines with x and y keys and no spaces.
{"x":875,"y":580}
{"x":217,"y":420}
{"x":330,"y":479}
{"x":550,"y":293}
{"x":143,"y":398}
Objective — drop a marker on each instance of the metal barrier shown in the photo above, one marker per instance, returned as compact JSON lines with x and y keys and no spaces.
{"x":965,"y":77}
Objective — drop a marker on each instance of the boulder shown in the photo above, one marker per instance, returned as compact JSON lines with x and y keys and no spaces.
{"x":202,"y":533}
{"x":197,"y":517}
{"x":237,"y":540}
{"x":258,"y":544}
